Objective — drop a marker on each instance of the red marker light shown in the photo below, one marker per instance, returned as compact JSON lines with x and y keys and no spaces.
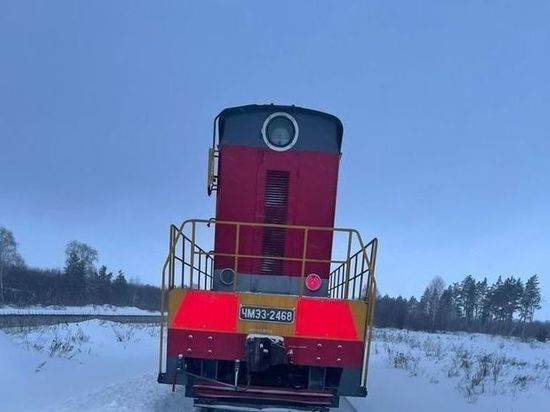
{"x":313,"y":282}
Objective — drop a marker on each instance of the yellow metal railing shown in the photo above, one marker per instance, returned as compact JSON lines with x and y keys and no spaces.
{"x":350,"y":280}
{"x":352,"y":276}
{"x":345,"y":282}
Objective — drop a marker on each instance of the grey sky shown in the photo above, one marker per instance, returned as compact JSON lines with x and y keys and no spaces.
{"x":106,"y":111}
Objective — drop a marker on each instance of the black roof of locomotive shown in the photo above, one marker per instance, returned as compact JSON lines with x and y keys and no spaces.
{"x":264,"y":110}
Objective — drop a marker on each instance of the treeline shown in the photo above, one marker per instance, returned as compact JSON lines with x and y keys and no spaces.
{"x":505,"y":307}
{"x":79,"y":283}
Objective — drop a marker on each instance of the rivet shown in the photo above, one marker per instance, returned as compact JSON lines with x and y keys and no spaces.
{"x":190,"y":337}
{"x":339,"y":347}
{"x":318,"y":359}
{"x":209,"y":350}
{"x":338,"y":360}
{"x":189,"y":350}
{"x":210,"y":338}
{"x":180,"y":356}
{"x":319,"y":346}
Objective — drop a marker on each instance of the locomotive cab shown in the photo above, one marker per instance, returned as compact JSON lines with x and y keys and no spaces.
{"x":279,"y":311}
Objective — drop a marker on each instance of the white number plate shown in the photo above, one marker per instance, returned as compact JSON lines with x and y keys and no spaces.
{"x":264,"y":314}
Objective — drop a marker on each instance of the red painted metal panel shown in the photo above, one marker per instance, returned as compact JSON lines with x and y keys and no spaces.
{"x":312,"y":198}
{"x":206,"y":345}
{"x":325,"y":352}
{"x":236,"y":201}
{"x":214,"y":311}
{"x":326,"y":318}
{"x":231,"y":346}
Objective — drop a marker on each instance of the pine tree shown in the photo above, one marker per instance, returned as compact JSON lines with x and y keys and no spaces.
{"x":496,"y":301}
{"x":104,"y":279}
{"x":514,"y":291}
{"x":482,"y":314}
{"x":447,"y":312}
{"x":469,"y":298}
{"x":120,"y":289}
{"x":529,"y":302}
{"x":76,"y":283}
{"x":80,"y":264}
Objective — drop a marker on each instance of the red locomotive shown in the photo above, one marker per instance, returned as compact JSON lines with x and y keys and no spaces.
{"x":279,"y":313}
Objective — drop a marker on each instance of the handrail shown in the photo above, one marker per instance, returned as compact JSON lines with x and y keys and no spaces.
{"x":212,"y":178}
{"x":343,"y":280}
{"x":179,"y":232}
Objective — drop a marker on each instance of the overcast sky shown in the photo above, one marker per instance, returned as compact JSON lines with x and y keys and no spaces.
{"x":106,"y":111}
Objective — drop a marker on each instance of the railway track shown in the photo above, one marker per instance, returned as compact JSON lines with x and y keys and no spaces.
{"x":345,"y":406}
{"x":19,"y":320}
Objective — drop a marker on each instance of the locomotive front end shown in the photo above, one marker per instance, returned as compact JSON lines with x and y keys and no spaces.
{"x":279,"y":312}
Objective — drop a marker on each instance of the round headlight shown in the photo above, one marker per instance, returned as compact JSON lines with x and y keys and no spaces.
{"x":280,"y":131}
{"x":227,"y":276}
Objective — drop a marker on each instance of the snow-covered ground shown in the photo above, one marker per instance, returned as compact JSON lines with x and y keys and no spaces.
{"x":75,"y":310}
{"x":58,"y":367}
{"x":455,"y":372}
{"x":106,"y":366}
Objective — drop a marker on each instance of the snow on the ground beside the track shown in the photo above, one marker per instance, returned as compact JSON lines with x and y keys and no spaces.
{"x":137,"y":394}
{"x":456,"y":372}
{"x":106,"y":366}
{"x":41,"y":366}
{"x":76,"y":310}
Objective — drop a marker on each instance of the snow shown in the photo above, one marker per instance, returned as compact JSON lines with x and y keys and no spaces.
{"x":141,"y":393}
{"x":42,"y":366}
{"x":76,"y":310}
{"x":106,"y":366}
{"x":456,"y":372}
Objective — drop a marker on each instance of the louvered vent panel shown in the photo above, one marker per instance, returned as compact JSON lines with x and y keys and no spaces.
{"x":275,"y":211}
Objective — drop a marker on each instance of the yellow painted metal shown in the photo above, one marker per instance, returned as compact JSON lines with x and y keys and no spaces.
{"x":237,"y":240}
{"x":304,"y":259}
{"x":175,"y":298}
{"x":288,"y":259}
{"x":193,"y":233}
{"x":348,"y":267}
{"x":359,"y":310}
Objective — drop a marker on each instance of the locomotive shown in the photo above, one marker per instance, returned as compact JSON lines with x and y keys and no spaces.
{"x":278,"y":310}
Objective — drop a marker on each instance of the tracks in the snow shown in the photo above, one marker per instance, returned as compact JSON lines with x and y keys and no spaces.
{"x":345,"y":406}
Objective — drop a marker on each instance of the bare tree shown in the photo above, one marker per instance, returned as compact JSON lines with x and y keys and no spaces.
{"x":82,"y":253}
{"x":8,"y":256}
{"x":432,"y":296}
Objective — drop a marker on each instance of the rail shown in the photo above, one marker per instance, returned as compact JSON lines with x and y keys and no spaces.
{"x":17,"y":320}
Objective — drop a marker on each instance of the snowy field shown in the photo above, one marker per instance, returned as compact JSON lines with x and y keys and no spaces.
{"x":106,"y":366}
{"x":75,"y":310}
{"x":455,"y":372}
